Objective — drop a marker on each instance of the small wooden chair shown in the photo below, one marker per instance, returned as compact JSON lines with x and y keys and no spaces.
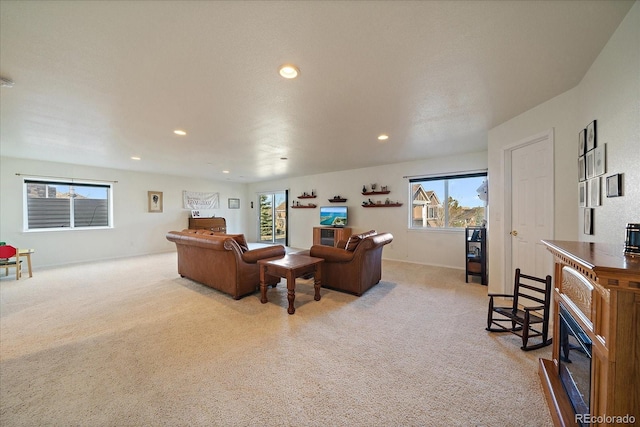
{"x":9,"y":257}
{"x":526,"y":321}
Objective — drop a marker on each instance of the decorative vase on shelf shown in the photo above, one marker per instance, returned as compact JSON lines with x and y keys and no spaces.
{"x":364,"y":188}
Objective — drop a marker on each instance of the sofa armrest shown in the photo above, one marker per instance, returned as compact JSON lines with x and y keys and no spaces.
{"x":255,"y":255}
{"x":331,"y":254}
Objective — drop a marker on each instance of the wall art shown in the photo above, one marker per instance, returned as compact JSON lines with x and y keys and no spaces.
{"x":614,"y":185}
{"x":599,"y":160}
{"x":594,"y":192}
{"x":588,"y":221}
{"x":582,"y":169}
{"x":592,"y":140}
{"x":582,"y":194}
{"x":155,"y":201}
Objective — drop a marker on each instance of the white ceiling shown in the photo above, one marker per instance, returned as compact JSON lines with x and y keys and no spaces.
{"x":99,"y":82}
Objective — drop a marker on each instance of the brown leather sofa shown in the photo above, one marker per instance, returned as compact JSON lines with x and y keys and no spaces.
{"x":222,"y":261}
{"x":355,"y":265}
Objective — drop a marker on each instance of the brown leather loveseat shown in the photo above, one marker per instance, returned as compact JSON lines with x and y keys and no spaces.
{"x":222,"y":261}
{"x":355,"y":265}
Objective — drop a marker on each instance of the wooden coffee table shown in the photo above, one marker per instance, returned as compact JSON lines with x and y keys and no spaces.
{"x":290,"y":267}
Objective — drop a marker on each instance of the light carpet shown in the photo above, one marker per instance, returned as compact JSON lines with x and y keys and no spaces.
{"x":130,"y":343}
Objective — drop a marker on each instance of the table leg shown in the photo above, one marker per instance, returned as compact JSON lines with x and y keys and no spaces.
{"x":263,"y":285}
{"x":317,"y":282}
{"x":29,"y":264}
{"x":291,"y":291}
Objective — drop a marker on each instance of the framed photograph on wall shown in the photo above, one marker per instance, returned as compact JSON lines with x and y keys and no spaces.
{"x":599,"y":160}
{"x":592,"y":140}
{"x":614,"y":185}
{"x":582,"y":194}
{"x":582,"y":169}
{"x":588,"y":221}
{"x":594,"y":192}
{"x":590,"y":164}
{"x":234,"y":203}
{"x":582,"y":142}
{"x":155,"y":201}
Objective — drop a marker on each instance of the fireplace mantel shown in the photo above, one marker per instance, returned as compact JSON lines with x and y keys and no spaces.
{"x":608,"y":309}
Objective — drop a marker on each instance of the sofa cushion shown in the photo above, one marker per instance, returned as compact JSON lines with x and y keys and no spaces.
{"x":354,"y":240}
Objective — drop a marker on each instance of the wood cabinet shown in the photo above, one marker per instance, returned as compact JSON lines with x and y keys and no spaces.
{"x":212,"y":224}
{"x":330,"y":236}
{"x":607,"y":308}
{"x":475,"y":246}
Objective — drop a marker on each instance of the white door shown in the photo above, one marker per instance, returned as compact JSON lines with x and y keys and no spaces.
{"x":532,"y":209}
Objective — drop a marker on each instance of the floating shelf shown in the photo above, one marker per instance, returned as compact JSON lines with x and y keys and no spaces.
{"x":382,"y":205}
{"x":337,"y":200}
{"x":304,"y":206}
{"x":369,"y":193}
{"x":308,"y":196}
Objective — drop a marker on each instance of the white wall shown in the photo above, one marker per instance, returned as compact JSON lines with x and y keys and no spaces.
{"x":610,"y":94}
{"x":136,"y":231}
{"x":434,"y":247}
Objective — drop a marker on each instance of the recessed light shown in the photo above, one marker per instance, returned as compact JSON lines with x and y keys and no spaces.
{"x":383,"y":137}
{"x":289,"y":71}
{"x":180,"y":132}
{"x":225,"y":171}
{"x":135,"y":158}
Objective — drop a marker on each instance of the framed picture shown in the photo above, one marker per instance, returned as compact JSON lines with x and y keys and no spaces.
{"x":582,"y":171}
{"x":155,"y":201}
{"x":234,"y":203}
{"x":582,"y":194}
{"x":590,"y":164}
{"x":599,"y":160}
{"x":592,"y":140}
{"x":594,"y":192}
{"x":588,"y":221}
{"x":614,"y":185}
{"x":582,"y":142}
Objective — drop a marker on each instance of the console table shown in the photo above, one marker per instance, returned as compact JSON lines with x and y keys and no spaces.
{"x":601,"y":290}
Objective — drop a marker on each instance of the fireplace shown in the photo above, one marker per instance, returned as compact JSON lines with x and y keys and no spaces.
{"x":593,"y":375}
{"x":575,"y":363}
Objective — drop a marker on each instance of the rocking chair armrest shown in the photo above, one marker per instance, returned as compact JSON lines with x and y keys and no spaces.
{"x":500,"y":295}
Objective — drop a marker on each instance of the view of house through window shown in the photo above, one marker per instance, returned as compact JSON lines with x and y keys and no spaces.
{"x":447,"y":201}
{"x":56,"y":204}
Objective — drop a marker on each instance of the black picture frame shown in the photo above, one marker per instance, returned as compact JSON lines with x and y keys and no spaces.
{"x":614,"y":185}
{"x":582,"y":142}
{"x":582,"y":168}
{"x":588,"y":221}
{"x":582,"y":194}
{"x":592,"y":136}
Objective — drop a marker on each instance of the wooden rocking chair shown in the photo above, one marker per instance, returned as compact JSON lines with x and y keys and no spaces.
{"x":525,"y":321}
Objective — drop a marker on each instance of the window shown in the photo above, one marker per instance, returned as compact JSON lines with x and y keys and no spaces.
{"x":66,"y":205}
{"x":447,"y":201}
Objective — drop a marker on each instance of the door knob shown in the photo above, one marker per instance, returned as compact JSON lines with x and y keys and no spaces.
{"x":514,"y":233}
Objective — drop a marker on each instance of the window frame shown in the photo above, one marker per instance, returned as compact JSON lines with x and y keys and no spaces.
{"x":108,"y":185}
{"x":441,"y":177}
